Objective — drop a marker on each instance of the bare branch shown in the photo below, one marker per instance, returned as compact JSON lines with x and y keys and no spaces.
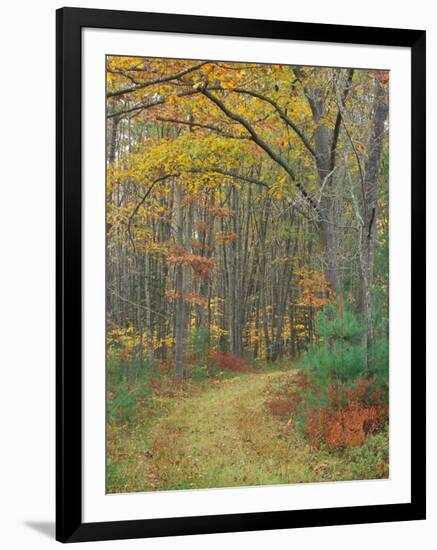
{"x":199,"y":125}
{"x":147,"y":83}
{"x":142,"y":106}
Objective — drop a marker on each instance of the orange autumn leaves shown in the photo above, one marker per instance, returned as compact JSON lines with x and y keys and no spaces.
{"x":341,"y":424}
{"x":314,"y":289}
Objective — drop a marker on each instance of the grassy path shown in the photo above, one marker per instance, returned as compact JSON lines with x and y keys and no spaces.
{"x":224,"y":437}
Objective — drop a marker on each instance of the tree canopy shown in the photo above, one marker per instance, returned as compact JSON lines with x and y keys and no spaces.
{"x":241,"y":199}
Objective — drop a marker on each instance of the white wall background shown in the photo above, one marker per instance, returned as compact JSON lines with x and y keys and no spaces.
{"x":27,"y":259}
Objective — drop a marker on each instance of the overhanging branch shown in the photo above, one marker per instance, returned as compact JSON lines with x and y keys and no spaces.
{"x":147,"y":83}
{"x":261,"y":143}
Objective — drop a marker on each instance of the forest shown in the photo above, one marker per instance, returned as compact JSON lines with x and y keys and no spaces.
{"x":247,"y":273}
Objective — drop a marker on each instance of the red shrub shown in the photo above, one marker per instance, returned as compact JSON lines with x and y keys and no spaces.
{"x":280,"y":407}
{"x":339,"y":425}
{"x":227,"y":362}
{"x":350,"y":415}
{"x":300,"y":380}
{"x":350,"y":426}
{"x":316,"y":426}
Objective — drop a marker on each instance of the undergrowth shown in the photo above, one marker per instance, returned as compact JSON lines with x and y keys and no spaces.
{"x":338,"y":400}
{"x":327,"y":420}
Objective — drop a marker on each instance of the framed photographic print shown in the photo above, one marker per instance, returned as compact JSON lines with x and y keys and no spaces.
{"x":241,"y":274}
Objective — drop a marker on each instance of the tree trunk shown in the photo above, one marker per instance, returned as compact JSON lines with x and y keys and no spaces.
{"x":139,"y":313}
{"x":149,"y":328}
{"x":113,"y":142}
{"x":329,"y":242}
{"x":179,"y":288}
{"x":370,"y":199}
{"x":323,"y":137}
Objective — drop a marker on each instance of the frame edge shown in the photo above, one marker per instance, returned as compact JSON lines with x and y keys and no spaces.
{"x":69,"y":526}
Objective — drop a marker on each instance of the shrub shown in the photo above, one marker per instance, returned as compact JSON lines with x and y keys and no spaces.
{"x":337,"y":363}
{"x":121,"y":406}
{"x":199,"y":372}
{"x":351,"y":414}
{"x":223,"y":361}
{"x":122,"y":395}
{"x":351,"y":426}
{"x":345,"y":401}
{"x":340,"y":356}
{"x":198,"y":343}
{"x":333,"y":325}
{"x":281,"y":408}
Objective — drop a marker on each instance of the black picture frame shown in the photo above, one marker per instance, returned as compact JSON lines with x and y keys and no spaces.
{"x":69,"y":525}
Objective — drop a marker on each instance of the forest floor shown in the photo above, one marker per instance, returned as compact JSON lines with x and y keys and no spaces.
{"x":223,"y":435}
